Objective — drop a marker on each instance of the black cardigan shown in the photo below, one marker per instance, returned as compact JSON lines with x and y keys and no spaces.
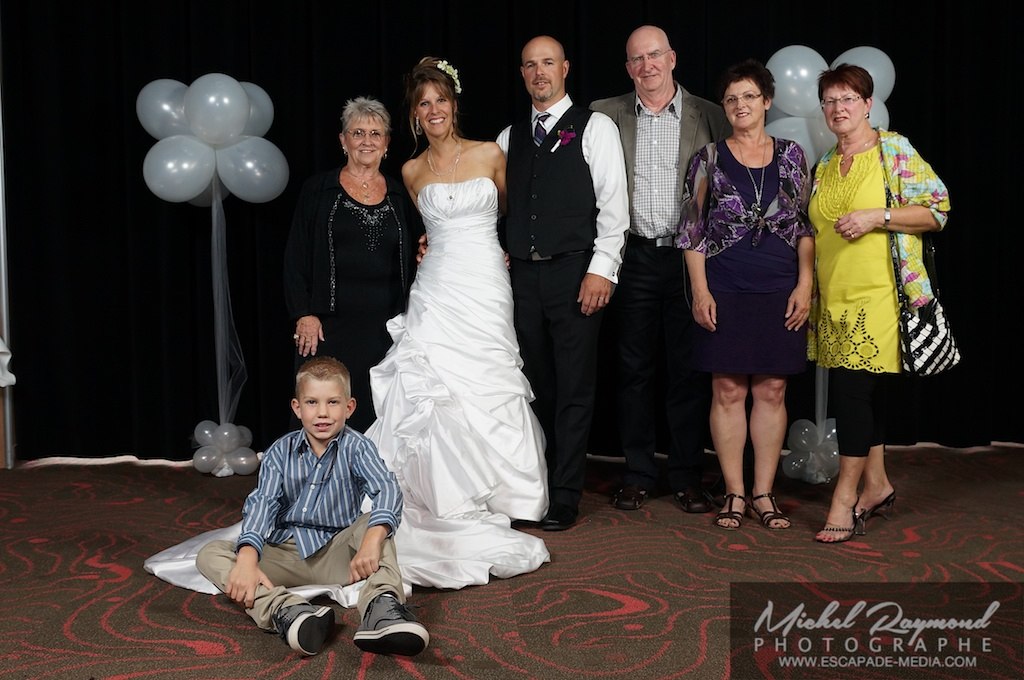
{"x":306,"y":260}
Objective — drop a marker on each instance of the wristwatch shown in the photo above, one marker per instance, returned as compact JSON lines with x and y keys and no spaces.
{"x":888,"y":216}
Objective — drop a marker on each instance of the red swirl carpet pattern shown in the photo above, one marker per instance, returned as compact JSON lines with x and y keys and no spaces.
{"x":640,"y":594}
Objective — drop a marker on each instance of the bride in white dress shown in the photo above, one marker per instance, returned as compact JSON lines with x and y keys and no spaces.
{"x":454,"y":418}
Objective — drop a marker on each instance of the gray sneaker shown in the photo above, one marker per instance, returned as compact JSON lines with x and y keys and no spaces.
{"x":388,"y":627}
{"x":304,"y":627}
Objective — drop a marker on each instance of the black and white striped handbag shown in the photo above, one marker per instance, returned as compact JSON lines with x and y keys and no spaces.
{"x":927,"y":346}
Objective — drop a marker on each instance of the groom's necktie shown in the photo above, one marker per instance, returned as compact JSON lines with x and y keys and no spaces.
{"x":539,"y":133}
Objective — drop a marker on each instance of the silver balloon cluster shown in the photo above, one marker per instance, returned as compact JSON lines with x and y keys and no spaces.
{"x":796,"y":112}
{"x":224,"y":449}
{"x":813,"y":452}
{"x":210,"y":131}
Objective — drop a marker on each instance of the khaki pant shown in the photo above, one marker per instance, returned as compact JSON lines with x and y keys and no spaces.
{"x":283,"y":566}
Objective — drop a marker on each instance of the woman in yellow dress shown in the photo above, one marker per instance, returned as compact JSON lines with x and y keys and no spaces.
{"x":856,"y":324}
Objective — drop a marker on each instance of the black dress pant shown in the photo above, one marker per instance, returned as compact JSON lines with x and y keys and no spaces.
{"x":654,"y":328}
{"x":558,"y":344}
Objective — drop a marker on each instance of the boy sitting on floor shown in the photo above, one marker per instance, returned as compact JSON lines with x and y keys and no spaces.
{"x":302,"y":525}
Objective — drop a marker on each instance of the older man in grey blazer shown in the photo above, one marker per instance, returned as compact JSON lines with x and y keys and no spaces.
{"x":661,"y":127}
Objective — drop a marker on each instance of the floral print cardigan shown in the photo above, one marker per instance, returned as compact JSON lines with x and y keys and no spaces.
{"x":712,"y":219}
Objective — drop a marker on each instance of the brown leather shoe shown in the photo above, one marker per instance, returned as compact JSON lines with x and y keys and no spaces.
{"x":629,"y":497}
{"x":692,"y":500}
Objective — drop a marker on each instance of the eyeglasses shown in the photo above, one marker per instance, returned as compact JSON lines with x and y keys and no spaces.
{"x":848,"y":100}
{"x":359,"y":134}
{"x":639,"y":59}
{"x":748,"y":99}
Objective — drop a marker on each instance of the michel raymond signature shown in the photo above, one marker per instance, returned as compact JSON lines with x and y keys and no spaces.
{"x":884,"y":617}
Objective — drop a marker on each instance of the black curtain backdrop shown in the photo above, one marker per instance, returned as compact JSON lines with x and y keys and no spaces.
{"x":110,"y":287}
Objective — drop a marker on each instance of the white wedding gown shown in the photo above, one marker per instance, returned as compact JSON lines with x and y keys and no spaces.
{"x":455,"y":423}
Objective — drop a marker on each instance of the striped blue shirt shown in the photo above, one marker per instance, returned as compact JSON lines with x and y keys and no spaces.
{"x":311,"y":499}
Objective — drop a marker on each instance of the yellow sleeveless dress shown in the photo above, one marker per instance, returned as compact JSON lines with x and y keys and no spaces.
{"x":857,"y":324}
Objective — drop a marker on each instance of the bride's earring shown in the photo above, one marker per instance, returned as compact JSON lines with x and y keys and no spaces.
{"x":419,"y":131}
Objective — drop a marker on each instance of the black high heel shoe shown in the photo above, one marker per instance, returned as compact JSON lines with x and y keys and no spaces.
{"x":883,"y":509}
{"x":844,"y":534}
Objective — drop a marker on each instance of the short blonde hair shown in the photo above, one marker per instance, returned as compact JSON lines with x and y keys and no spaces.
{"x":324,"y":368}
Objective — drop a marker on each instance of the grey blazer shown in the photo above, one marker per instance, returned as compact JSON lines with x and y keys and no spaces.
{"x":701,"y":121}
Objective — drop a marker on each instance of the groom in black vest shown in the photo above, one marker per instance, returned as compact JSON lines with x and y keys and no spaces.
{"x":568,"y":213}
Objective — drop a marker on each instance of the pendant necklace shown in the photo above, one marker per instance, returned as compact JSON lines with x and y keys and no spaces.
{"x":365,"y":184}
{"x":756,"y":207}
{"x":447,"y":173}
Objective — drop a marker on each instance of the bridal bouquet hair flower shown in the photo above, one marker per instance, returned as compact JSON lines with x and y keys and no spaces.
{"x":452,"y":72}
{"x":564,"y":137}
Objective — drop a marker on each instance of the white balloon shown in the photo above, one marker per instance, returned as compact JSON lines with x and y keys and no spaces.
{"x":160,"y":107}
{"x":226,"y":437}
{"x":203,"y":432}
{"x":207,"y":459}
{"x":879,"y":114}
{"x":877,"y":63}
{"x":822,"y":138}
{"x":179,"y":167}
{"x":242,"y":460}
{"x":798,"y":130}
{"x":217,"y":108}
{"x":774,"y":113}
{"x":796,"y":69}
{"x":244,"y":436}
{"x":253,"y":169}
{"x":261,"y":110}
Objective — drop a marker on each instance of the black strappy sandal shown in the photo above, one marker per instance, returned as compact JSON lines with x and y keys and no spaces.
{"x":845,"y":533}
{"x":728,"y":513}
{"x":768,"y":516}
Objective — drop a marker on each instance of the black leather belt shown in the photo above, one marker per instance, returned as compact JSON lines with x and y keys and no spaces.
{"x":537,"y":257}
{"x":662,"y":242}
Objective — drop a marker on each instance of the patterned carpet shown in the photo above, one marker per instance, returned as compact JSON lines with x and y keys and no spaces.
{"x":627,"y":594}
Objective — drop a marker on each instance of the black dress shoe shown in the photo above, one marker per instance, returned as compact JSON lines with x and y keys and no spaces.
{"x":629,"y":497}
{"x":558,"y":518}
{"x":692,"y":500}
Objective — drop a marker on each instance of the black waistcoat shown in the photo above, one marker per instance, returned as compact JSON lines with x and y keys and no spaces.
{"x":551,"y":203}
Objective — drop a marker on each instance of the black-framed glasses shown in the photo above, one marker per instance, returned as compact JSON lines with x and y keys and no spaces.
{"x":639,"y":59}
{"x":847,"y":100}
{"x":747,"y":98}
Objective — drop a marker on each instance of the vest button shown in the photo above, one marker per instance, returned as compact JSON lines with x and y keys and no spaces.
{"x":533,"y":217}
{"x":533,"y":196}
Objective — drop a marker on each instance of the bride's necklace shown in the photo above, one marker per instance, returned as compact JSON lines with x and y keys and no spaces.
{"x":450,"y":172}
{"x":756,"y":208}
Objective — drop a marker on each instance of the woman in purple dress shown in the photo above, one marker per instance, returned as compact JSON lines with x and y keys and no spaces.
{"x":749,"y":251}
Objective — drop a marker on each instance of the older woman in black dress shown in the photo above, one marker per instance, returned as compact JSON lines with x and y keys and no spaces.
{"x":351,"y":254}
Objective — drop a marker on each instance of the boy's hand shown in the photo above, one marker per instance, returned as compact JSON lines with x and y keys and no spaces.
{"x":367,"y":558}
{"x":245,"y":577}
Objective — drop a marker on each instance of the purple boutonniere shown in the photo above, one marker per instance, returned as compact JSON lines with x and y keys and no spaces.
{"x":564,"y":137}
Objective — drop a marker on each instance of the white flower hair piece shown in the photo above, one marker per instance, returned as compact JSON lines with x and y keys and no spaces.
{"x":452,"y":72}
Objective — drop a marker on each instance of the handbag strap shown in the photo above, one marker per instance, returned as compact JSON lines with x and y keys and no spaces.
{"x":894,"y":250}
{"x":927,"y":242}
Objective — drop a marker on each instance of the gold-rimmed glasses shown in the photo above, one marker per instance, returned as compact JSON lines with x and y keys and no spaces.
{"x":747,"y":98}
{"x":360,"y":134}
